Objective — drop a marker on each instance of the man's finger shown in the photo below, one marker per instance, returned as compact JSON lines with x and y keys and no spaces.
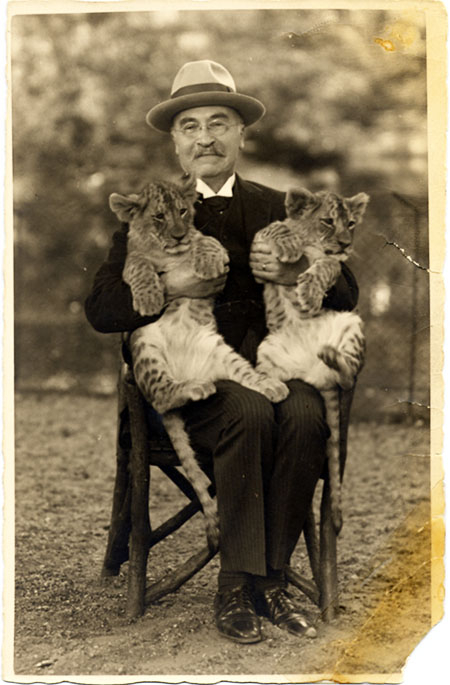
{"x":264,"y":274}
{"x":264,"y":266}
{"x":261,"y":250}
{"x":262,"y":262}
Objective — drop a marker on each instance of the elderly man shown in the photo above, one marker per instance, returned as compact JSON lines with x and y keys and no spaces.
{"x":265,"y":459}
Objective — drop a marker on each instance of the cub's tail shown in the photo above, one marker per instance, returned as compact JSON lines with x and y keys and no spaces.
{"x":179,"y":438}
{"x":331,"y":399}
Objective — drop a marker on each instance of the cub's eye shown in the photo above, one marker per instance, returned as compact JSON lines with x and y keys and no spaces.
{"x":158,"y":217}
{"x":183,"y":211}
{"x":326,"y":221}
{"x":351,"y":224}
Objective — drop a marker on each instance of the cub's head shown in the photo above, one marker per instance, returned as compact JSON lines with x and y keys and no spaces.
{"x":161,"y":215}
{"x":327,"y":218}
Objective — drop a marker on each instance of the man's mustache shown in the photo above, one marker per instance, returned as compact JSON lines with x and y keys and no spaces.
{"x":209,"y":151}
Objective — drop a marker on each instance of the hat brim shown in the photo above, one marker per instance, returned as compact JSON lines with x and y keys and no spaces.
{"x":161,"y":116}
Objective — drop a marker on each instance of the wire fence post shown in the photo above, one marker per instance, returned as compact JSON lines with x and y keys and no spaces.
{"x":414,"y":304}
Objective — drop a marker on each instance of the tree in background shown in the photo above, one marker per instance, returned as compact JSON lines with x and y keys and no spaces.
{"x":341,"y":109}
{"x":345,"y":93}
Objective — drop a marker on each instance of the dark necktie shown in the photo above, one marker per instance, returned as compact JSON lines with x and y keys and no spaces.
{"x":211,"y":213}
{"x":215,"y":205}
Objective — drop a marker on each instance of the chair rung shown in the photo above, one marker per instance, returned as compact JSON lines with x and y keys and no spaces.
{"x":308,"y":587}
{"x":175,"y":522}
{"x":148,"y":446}
{"x":180,"y":481}
{"x":162,"y":456}
{"x":174,"y":580}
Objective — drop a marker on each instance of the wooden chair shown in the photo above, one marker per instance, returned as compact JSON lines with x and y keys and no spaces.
{"x":131,"y":536}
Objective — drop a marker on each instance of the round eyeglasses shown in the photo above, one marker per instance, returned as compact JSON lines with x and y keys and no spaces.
{"x":192,"y":129}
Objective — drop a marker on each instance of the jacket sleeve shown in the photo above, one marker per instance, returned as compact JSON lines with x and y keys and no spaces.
{"x":109,"y":307}
{"x":343,"y":296}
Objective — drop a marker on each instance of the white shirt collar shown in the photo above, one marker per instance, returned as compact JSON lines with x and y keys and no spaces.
{"x":225,"y":191}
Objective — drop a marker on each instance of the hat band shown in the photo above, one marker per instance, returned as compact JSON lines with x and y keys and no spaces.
{"x":200,"y":88}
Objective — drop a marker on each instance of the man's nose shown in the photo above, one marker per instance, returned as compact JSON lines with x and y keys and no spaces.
{"x":205,"y":138}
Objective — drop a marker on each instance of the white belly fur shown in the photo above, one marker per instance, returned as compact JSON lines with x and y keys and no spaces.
{"x":191,"y":351}
{"x":296,"y":345}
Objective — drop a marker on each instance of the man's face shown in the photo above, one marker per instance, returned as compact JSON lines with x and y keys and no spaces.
{"x":207,"y":142}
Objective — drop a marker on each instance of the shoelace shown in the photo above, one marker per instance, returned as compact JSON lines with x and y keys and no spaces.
{"x":279,"y":603}
{"x":240,"y":596}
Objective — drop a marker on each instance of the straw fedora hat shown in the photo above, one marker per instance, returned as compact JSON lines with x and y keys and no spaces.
{"x":200,"y":84}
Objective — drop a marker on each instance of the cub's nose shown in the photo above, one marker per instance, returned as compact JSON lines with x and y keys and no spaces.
{"x":344,"y":240}
{"x":178,"y":231}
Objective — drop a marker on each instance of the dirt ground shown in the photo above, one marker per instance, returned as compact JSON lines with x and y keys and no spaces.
{"x":69,"y":622}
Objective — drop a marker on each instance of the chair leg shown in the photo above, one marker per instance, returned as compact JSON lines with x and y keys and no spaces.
{"x":312,"y":545}
{"x":309,"y":587}
{"x":119,"y":530}
{"x":140,"y":521}
{"x":329,"y":599}
{"x":305,"y":585}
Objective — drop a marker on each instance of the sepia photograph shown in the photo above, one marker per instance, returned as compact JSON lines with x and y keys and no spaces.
{"x":226,"y":232}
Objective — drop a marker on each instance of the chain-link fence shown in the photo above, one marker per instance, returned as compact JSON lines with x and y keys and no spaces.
{"x":391,"y":265}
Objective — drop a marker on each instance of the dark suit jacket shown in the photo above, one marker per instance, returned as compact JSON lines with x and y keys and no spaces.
{"x":109,"y":306}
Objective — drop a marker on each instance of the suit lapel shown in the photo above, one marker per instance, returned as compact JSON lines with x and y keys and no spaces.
{"x":256,"y":208}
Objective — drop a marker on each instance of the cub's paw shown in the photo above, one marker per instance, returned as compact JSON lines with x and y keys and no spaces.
{"x":148,"y":302}
{"x":309,"y":294}
{"x":330,"y":356}
{"x":210,"y":260}
{"x":288,"y":248}
{"x":274,"y":390}
{"x":345,"y":372}
{"x":199,"y":391}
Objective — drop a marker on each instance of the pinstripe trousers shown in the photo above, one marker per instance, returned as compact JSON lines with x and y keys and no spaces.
{"x":265,"y":460}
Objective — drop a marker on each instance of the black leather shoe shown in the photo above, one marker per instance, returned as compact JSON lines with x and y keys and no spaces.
{"x":236,"y":616}
{"x":275,"y":604}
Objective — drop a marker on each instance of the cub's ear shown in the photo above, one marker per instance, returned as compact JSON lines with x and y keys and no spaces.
{"x":189,"y":187}
{"x":357,"y":205}
{"x":298,"y":201}
{"x":124,"y":206}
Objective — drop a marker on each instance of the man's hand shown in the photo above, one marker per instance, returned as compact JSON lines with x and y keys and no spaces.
{"x":267,"y":267}
{"x":181,"y":283}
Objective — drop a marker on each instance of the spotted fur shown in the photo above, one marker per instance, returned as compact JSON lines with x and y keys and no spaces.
{"x":306,"y":341}
{"x":179,"y":358}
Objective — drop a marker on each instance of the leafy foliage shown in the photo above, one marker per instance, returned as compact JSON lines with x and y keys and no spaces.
{"x":345,"y":93}
{"x":82,"y":83}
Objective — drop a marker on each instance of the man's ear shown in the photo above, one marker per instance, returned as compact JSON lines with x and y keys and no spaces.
{"x":174,"y":143}
{"x":242,"y":139}
{"x":357,"y":205}
{"x":298,"y":201}
{"x":124,"y":206}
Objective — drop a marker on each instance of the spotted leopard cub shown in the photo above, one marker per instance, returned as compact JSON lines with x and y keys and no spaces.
{"x":306,"y":341}
{"x":179,"y":357}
